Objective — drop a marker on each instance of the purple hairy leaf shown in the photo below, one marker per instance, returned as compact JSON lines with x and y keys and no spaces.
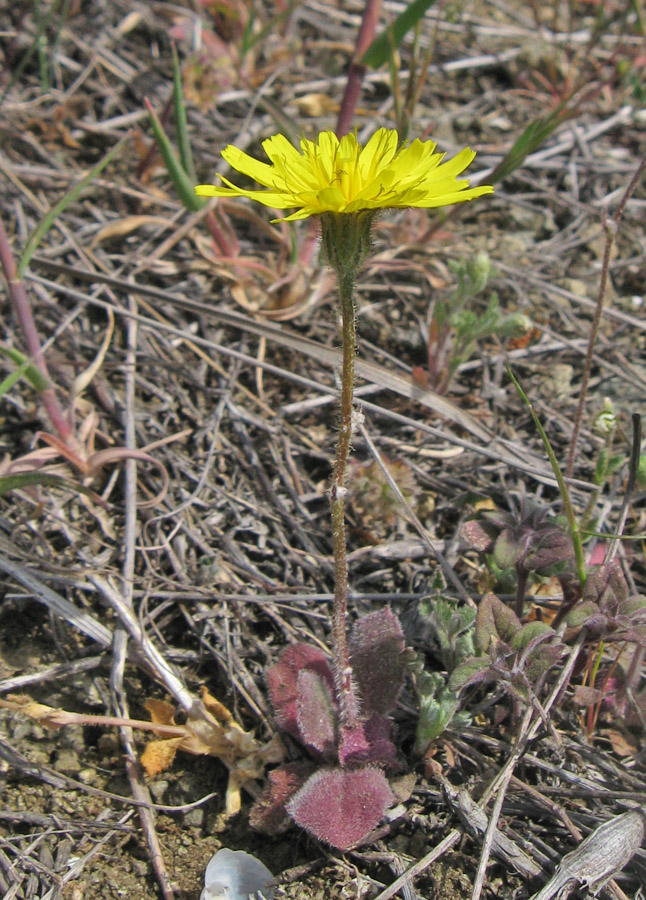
{"x":282,"y":680}
{"x":495,"y":622}
{"x":548,"y":548}
{"x":606,"y":586}
{"x":317,"y":713}
{"x":341,"y":806}
{"x":379,"y":731}
{"x":368,"y":742}
{"x":376,"y":653}
{"x":353,"y":745}
{"x":477,"y":535}
{"x":268,"y":814}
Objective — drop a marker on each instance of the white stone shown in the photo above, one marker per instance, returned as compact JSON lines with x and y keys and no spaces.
{"x":236,"y":875}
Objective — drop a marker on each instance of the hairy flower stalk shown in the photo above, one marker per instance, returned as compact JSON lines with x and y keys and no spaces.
{"x":346,"y":184}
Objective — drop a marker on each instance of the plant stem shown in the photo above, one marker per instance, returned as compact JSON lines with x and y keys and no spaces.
{"x":357,"y":70}
{"x":611,"y":227}
{"x":348,"y":703}
{"x":345,"y":241}
{"x":22,"y":309}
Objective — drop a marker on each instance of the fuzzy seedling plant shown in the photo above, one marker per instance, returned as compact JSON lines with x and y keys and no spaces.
{"x":339,"y":795}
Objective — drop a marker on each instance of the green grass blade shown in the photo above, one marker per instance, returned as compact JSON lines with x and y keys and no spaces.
{"x":41,"y":42}
{"x":38,"y":479}
{"x":25,"y":367}
{"x":181,"y":128}
{"x":530,"y":140}
{"x":182,"y":183}
{"x":33,"y":48}
{"x":50,"y":217}
{"x":379,"y":51}
{"x":573,"y":525}
{"x":249,"y":39}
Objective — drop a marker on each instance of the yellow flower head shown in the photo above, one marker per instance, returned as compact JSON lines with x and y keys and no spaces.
{"x":332,"y":175}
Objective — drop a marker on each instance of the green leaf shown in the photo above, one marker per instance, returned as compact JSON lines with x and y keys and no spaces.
{"x":26,"y":367}
{"x":50,"y":217}
{"x":437,"y":706}
{"x":379,"y":51}
{"x":181,"y":129}
{"x":607,"y":464}
{"x":527,"y":633}
{"x":531,"y":139}
{"x":183,"y":185}
{"x":495,"y":622}
{"x":40,"y":479}
{"x":470,"y":671}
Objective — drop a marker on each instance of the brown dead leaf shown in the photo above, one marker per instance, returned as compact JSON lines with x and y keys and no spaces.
{"x":161,"y":711}
{"x":586,"y":696}
{"x":124,"y":226}
{"x":620,"y":743}
{"x":217,"y":709}
{"x":160,"y":755}
{"x":315,"y":105}
{"x":47,"y":715}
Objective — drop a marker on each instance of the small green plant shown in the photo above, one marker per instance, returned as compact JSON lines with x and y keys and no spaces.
{"x":456,"y":327}
{"x":610,"y":459}
{"x":452,"y":624}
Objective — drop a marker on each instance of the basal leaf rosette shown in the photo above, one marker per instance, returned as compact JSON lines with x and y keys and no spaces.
{"x":342,"y":793}
{"x":338,"y":175}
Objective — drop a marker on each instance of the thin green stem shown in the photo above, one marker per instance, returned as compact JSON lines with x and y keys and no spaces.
{"x":349,"y":707}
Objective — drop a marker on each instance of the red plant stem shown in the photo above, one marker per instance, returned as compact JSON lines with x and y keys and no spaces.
{"x":357,"y":71}
{"x":22,"y":309}
{"x":219,"y":238}
{"x":348,"y":703}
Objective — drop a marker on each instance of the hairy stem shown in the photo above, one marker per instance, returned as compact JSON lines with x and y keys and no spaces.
{"x":342,"y":668}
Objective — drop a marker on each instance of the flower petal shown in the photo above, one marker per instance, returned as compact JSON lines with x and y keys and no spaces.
{"x":339,"y":176}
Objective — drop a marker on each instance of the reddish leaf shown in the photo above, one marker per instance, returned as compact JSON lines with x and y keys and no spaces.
{"x":268,"y":814}
{"x":376,"y":654}
{"x":476,"y":536}
{"x":317,"y":713}
{"x":282,"y":680}
{"x":341,"y":806}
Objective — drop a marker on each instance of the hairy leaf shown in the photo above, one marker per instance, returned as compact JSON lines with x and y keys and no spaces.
{"x":282,"y":680}
{"x":528,"y":633}
{"x":268,"y":814}
{"x":376,"y":653}
{"x":368,"y":742}
{"x":495,"y":622}
{"x":471,"y":671}
{"x":341,"y":806}
{"x":316,"y":712}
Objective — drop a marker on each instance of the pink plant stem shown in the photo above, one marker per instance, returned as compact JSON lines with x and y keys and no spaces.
{"x":220,"y":240}
{"x":22,"y":309}
{"x":357,"y":71}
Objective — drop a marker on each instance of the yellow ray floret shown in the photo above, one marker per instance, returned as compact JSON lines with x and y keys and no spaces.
{"x":337,"y":175}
